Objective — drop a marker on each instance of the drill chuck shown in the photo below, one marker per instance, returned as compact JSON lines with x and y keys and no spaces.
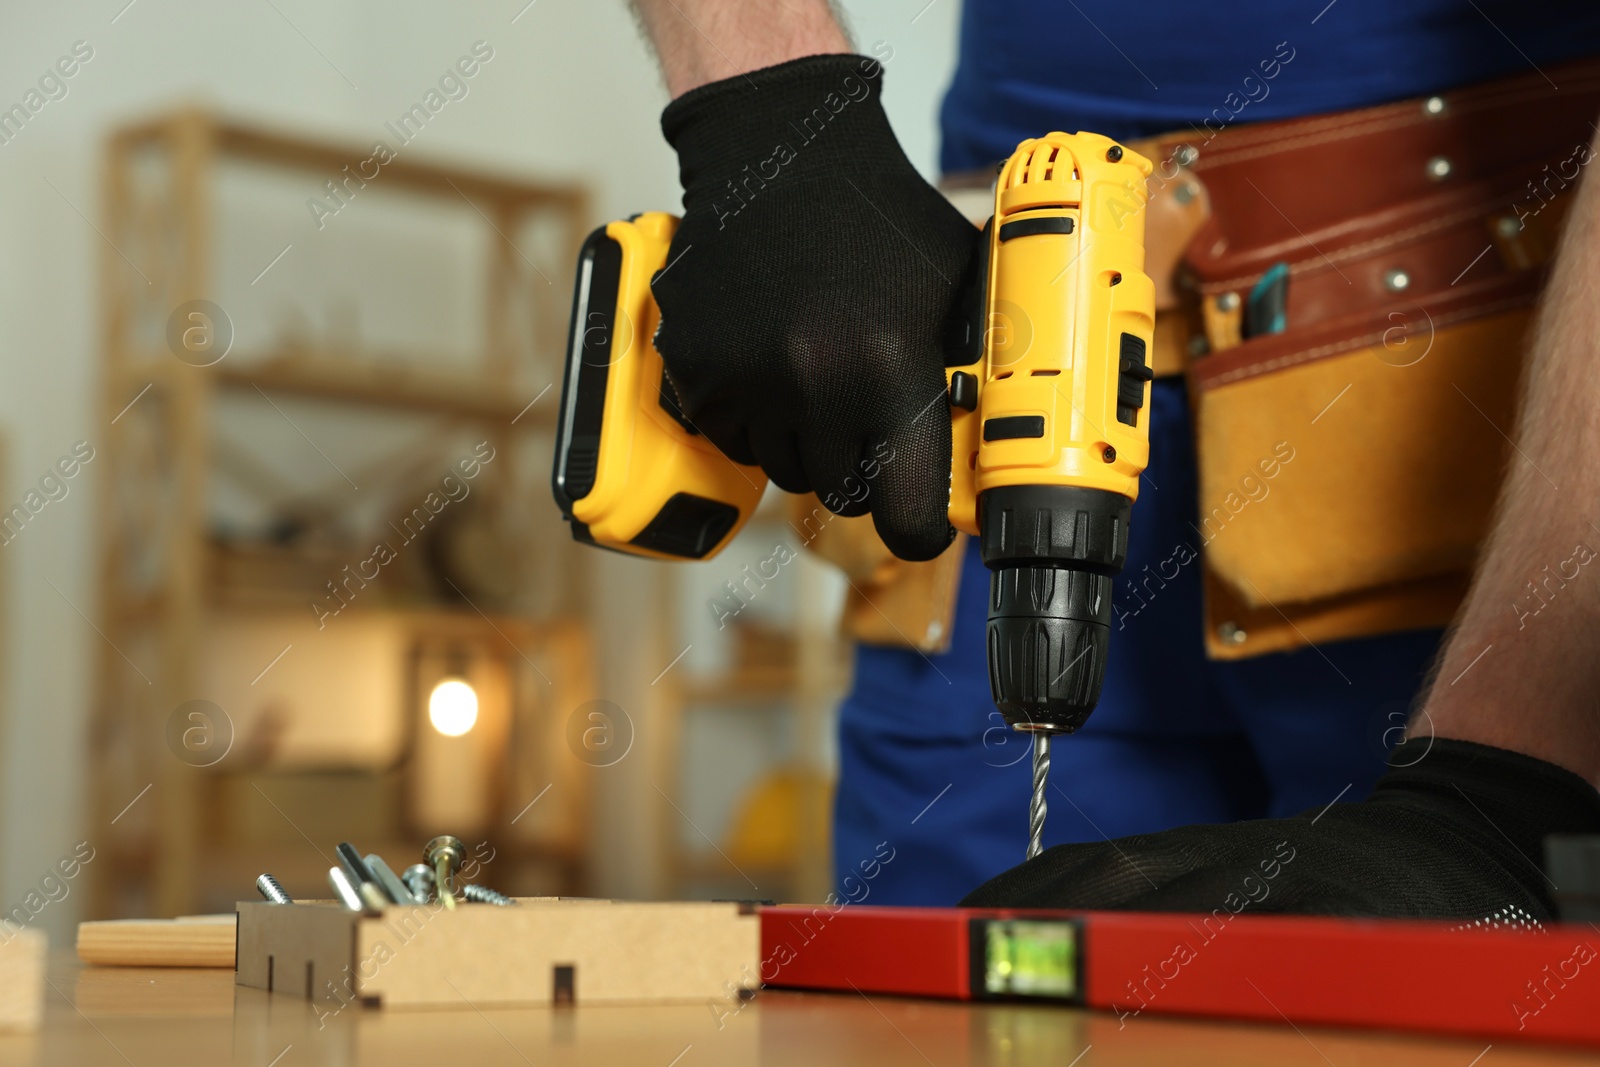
{"x":1052,"y":551}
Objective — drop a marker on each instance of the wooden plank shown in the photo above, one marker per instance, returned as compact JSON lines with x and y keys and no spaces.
{"x":187,"y":421}
{"x":269,"y":146}
{"x":191,"y":941}
{"x":375,"y":384}
{"x":22,"y":962}
{"x":116,"y":210}
{"x":258,"y":144}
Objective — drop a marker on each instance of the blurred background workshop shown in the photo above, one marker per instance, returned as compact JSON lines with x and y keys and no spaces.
{"x":197,"y":677}
{"x":290,"y":349}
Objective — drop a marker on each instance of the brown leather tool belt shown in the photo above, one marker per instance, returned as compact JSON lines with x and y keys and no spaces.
{"x":1415,"y":236}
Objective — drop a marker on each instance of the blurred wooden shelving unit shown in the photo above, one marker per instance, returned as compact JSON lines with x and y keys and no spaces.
{"x":792,"y":672}
{"x":330,"y":378}
{"x":163,"y":578}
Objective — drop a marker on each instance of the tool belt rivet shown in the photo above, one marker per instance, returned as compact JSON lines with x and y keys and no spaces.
{"x":1396,"y":281}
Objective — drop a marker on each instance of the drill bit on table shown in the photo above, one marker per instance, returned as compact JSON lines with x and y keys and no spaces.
{"x":1037,"y":806}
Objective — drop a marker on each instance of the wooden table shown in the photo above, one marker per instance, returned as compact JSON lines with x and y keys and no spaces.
{"x":125,"y":1016}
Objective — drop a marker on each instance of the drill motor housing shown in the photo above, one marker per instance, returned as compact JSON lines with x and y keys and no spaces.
{"x":1059,"y":435}
{"x":1047,"y":362}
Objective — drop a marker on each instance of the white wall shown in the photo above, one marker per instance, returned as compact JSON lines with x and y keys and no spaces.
{"x":571,"y":93}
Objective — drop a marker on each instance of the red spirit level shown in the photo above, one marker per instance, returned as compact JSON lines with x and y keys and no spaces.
{"x":1379,"y":973}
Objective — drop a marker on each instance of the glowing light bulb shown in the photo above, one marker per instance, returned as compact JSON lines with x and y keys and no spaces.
{"x":453,"y":707}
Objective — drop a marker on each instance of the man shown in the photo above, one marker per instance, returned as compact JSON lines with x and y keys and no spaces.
{"x":802,"y":327}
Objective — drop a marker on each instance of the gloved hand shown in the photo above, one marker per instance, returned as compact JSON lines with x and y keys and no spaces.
{"x":805,"y":293}
{"x":1454,"y":831}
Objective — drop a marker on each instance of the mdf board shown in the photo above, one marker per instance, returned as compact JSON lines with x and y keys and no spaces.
{"x":542,"y":951}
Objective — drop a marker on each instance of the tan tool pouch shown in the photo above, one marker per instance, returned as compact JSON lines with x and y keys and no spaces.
{"x":1349,"y":465}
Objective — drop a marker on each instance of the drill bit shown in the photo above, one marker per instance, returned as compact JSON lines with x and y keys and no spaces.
{"x":1037,"y":806}
{"x":268,"y":887}
{"x":444,"y":854}
{"x":482,"y":894}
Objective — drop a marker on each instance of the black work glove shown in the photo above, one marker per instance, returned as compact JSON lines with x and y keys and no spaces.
{"x":1451,"y":832}
{"x":805,"y":293}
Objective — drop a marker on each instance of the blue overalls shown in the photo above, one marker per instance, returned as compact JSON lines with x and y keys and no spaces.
{"x":926,"y":763}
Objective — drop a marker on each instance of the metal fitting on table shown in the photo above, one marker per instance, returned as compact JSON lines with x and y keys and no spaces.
{"x":419,"y":879}
{"x":482,"y":894}
{"x":268,"y":887}
{"x":393,"y":887}
{"x":444,"y":854}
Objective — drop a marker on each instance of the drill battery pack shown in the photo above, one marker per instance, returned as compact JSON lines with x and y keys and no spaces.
{"x":631,"y":471}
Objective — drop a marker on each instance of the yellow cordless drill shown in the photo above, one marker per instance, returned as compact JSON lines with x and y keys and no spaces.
{"x":1048,"y":368}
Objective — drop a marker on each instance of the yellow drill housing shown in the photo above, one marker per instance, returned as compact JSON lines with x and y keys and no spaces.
{"x":1048,"y":372}
{"x":1066,"y":328}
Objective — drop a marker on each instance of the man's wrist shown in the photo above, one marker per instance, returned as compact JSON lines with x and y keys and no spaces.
{"x":809,"y":118}
{"x":703,"y":41}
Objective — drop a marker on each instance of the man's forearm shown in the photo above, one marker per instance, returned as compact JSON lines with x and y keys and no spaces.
{"x":701,"y":41}
{"x":1522,"y":669}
